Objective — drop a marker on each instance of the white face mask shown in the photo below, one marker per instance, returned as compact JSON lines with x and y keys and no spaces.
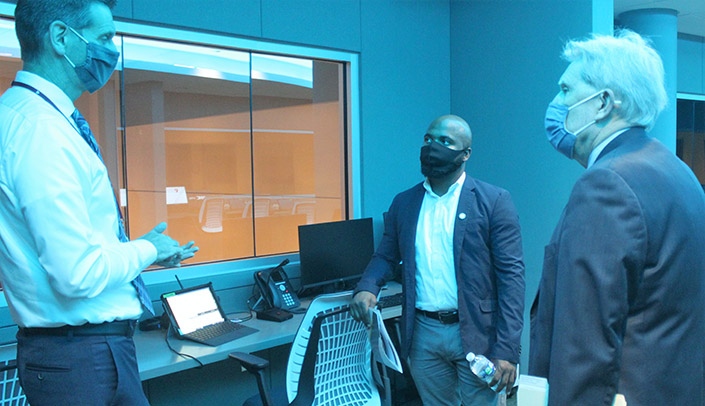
{"x":562,"y":139}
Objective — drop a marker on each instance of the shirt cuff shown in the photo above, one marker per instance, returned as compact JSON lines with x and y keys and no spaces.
{"x":146,"y":252}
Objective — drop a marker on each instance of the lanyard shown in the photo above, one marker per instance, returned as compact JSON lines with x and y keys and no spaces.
{"x":43,"y":96}
{"x":34,"y":90}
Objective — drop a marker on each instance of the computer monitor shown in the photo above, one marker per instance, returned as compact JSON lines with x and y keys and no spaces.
{"x":334,"y":255}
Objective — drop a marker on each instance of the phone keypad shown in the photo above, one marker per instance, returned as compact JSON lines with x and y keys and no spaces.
{"x":288,"y":300}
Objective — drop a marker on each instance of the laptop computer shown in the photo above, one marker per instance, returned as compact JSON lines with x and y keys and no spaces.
{"x":195,"y":314}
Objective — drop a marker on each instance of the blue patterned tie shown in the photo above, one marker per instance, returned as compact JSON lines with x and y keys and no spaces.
{"x":87,"y":135}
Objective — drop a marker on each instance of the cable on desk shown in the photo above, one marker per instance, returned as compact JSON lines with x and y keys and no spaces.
{"x":166,"y":338}
{"x":241,"y":319}
{"x":256,"y":294}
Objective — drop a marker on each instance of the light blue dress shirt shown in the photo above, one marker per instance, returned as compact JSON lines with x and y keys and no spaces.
{"x":62,"y":261}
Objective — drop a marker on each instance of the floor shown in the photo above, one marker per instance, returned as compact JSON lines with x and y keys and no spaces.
{"x":404,"y":392}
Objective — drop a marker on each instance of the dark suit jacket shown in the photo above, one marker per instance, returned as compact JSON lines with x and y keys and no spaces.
{"x":621,"y":303}
{"x":489,"y":267}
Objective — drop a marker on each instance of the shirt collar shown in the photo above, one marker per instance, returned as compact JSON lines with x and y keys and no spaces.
{"x":600,"y":147}
{"x":458,"y":183}
{"x":50,"y":90}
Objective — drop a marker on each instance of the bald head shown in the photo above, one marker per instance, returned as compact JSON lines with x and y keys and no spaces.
{"x":446,"y":149}
{"x":453,"y":126}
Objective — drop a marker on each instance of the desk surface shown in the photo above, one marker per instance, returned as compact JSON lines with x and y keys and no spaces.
{"x":156,"y":359}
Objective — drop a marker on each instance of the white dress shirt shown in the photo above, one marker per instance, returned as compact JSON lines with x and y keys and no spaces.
{"x":60,"y":258}
{"x":601,"y":146}
{"x":436,"y":286}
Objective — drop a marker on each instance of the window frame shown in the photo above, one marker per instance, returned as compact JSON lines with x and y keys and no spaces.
{"x":242,"y":268}
{"x":689,"y":160}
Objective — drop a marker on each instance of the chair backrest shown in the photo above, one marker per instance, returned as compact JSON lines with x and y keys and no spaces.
{"x":11,"y":393}
{"x":211,"y":214}
{"x":307,"y":208}
{"x":261,"y":208}
{"x":330,"y":359}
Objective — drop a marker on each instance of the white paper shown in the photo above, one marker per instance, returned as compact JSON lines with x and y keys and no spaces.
{"x":176,"y":195}
{"x":533,"y":391}
{"x":382,"y":346}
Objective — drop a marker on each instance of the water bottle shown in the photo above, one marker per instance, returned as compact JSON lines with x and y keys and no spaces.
{"x":481,"y":366}
{"x":484,"y":369}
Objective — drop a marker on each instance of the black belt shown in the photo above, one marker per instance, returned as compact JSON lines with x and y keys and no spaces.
{"x":124,"y":328}
{"x":445,"y":317}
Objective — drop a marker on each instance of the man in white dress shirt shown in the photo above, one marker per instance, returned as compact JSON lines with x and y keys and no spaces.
{"x":69,"y":274}
{"x":459,"y":244}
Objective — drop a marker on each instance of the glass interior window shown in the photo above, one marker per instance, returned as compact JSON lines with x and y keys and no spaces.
{"x":233,"y":149}
{"x":187,"y":144}
{"x":298,"y":148}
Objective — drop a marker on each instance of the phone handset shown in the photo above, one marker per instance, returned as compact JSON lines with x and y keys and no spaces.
{"x":276,"y":289}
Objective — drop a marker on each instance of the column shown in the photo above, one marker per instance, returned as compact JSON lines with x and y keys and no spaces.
{"x":661,"y":27}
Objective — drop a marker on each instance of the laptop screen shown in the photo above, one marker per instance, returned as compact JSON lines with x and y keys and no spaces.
{"x":194,"y":308}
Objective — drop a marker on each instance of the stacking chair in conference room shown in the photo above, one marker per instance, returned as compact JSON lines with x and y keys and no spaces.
{"x":11,"y":393}
{"x":330,"y":363}
{"x":211,"y":214}
{"x":260,"y":208}
{"x":307,"y":208}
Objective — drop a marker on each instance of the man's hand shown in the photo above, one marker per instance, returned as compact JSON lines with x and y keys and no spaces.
{"x":505,"y":376}
{"x":169,"y":253}
{"x":360,"y":306}
{"x":188,"y":250}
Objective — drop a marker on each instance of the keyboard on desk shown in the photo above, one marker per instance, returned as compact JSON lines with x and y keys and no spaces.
{"x":219,"y":333}
{"x":386,"y":302}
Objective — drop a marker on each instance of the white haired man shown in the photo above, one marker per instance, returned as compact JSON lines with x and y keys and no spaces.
{"x":620,"y":306}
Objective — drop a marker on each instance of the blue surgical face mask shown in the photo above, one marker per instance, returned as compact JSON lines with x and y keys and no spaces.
{"x":562,"y":139}
{"x":100,"y":63}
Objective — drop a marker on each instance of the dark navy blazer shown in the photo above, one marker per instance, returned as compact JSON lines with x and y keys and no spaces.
{"x":489,"y":267}
{"x":621,"y":303}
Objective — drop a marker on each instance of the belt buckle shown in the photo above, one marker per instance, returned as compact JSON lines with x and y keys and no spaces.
{"x":447,"y":317}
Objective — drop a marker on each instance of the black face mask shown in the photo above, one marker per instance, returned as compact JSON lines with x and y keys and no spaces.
{"x":438,"y":161}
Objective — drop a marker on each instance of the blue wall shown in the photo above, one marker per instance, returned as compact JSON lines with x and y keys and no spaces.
{"x":691,"y":64}
{"x":405,"y":84}
{"x":504,"y":72}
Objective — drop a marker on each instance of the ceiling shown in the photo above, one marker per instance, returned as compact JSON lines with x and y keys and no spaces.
{"x":691,"y":13}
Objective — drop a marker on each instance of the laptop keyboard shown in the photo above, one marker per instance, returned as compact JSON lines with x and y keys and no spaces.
{"x":215,"y":330}
{"x":390,"y":301}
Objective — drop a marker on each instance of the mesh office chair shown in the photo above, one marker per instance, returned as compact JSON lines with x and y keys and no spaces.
{"x":330,"y":363}
{"x":11,"y":393}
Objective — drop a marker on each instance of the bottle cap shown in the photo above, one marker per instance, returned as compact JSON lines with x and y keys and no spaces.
{"x":470,"y":356}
